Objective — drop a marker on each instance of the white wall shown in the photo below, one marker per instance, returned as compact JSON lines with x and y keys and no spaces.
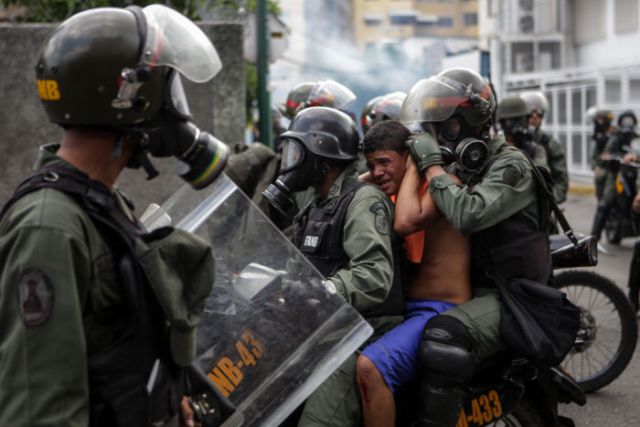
{"x":613,"y":47}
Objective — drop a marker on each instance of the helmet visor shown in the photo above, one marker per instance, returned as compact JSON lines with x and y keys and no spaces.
{"x":431,"y":100}
{"x":329,"y":93}
{"x":177,"y":97}
{"x":174,"y":41}
{"x":292,"y":154}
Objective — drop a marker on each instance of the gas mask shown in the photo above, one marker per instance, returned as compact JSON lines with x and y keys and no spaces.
{"x":299,"y":170}
{"x":627,"y":126}
{"x":469,"y":153}
{"x":169,"y":132}
{"x":201,"y":157}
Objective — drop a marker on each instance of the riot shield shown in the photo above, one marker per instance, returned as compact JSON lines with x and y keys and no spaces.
{"x":272,"y":331}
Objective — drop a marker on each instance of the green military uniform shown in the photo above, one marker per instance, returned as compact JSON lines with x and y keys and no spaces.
{"x":613,"y":147}
{"x":539,"y":156}
{"x":364,"y":284}
{"x":507,"y":188}
{"x":597,"y":164}
{"x":556,"y":162}
{"x":61,"y":299}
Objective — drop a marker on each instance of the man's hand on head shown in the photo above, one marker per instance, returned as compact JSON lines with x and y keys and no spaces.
{"x":425,"y":151}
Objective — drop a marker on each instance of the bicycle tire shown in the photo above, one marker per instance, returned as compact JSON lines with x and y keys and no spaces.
{"x":621,"y":356}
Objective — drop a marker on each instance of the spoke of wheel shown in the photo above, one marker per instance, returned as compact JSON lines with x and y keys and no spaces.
{"x":588,"y":359}
{"x":580,"y":290}
{"x":611,"y":313}
{"x":604,"y":350}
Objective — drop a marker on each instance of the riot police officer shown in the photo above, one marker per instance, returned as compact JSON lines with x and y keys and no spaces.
{"x":616,"y":148}
{"x":345,"y":232}
{"x":323,"y":93}
{"x":380,"y":108}
{"x":496,"y":205}
{"x":513,"y":116}
{"x":556,"y":158}
{"x":602,"y":131}
{"x":99,"y":315}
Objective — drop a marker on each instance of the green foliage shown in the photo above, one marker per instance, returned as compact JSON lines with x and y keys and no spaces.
{"x":251,"y":82}
{"x":273,"y":6}
{"x":58,"y":10}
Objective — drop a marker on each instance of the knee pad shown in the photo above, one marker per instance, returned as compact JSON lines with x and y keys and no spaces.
{"x":445,"y":352}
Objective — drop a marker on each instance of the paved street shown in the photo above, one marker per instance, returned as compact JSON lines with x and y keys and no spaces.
{"x":616,"y":404}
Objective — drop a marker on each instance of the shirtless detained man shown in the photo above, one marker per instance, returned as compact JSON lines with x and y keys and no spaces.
{"x":440,"y":280}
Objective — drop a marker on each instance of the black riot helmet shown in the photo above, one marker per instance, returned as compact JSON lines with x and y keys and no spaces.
{"x":381,"y":108}
{"x":458,"y":106}
{"x":120,"y":70}
{"x":627,"y":121}
{"x":318,"y":139}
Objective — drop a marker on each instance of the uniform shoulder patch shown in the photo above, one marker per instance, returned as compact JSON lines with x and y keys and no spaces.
{"x":512,"y":174}
{"x":381,"y":220}
{"x":35,"y":296}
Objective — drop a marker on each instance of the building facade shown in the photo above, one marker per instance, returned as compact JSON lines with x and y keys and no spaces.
{"x":377,"y":20}
{"x":580,"y":53}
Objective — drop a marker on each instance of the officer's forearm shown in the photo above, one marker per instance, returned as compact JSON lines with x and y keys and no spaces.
{"x":489,"y":202}
{"x":434,"y":171}
{"x":365,"y":287}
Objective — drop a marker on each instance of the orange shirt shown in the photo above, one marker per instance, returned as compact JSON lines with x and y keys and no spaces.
{"x":414,"y":243}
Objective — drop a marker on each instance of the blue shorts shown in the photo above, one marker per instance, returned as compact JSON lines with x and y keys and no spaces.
{"x":395,"y":354}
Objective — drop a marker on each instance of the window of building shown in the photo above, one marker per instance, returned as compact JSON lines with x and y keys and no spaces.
{"x":402,"y":17}
{"x":372,"y":20}
{"x":634,"y":88}
{"x":522,"y":57}
{"x":626,"y":15}
{"x":576,"y":149}
{"x":546,"y":15}
{"x":576,"y":106}
{"x":562,"y":108}
{"x":491,"y":8}
{"x":470,"y":19}
{"x":589,"y":20}
{"x":591,"y":97}
{"x":445,"y":21}
{"x":426,"y":21}
{"x":548,"y":117}
{"x":549,"y":56}
{"x":612,"y":91}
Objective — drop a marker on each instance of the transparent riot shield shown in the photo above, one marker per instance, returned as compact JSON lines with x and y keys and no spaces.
{"x":271,"y":332}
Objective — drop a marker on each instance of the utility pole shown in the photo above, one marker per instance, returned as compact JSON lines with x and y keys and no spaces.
{"x":264,"y":101}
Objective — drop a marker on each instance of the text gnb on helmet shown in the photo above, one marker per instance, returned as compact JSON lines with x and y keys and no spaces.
{"x":119,"y":70}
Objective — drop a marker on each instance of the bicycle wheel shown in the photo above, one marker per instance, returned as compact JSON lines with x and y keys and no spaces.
{"x":608,"y":330}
